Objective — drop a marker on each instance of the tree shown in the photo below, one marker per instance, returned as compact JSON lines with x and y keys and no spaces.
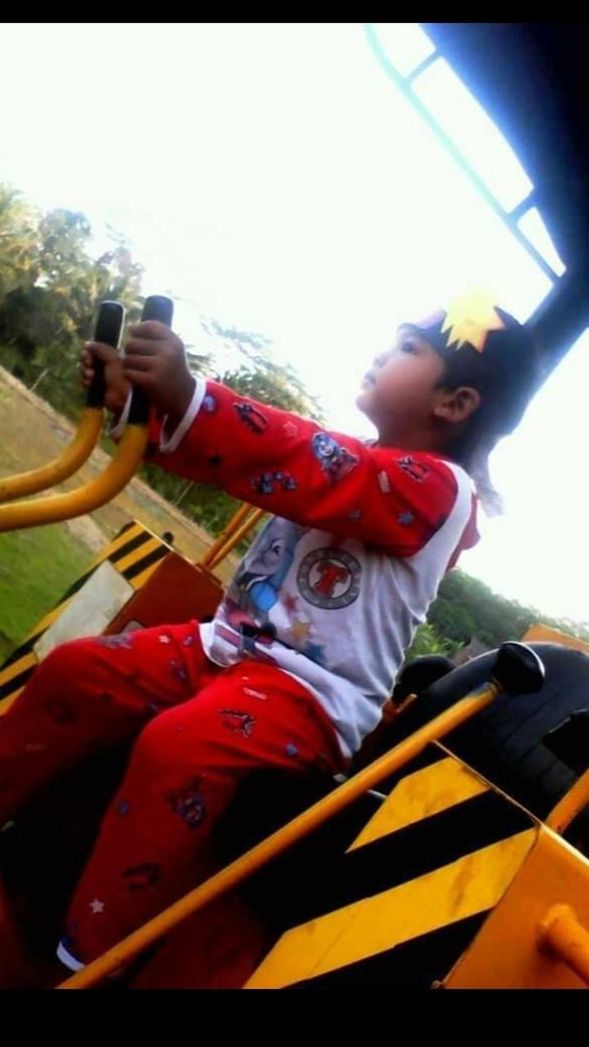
{"x":466,"y":608}
{"x":258,"y":374}
{"x":19,"y":243}
{"x":50,"y":288}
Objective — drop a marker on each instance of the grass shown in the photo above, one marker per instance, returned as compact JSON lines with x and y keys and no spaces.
{"x":36,"y":567}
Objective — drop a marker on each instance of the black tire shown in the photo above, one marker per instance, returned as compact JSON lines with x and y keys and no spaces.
{"x":506,"y":742}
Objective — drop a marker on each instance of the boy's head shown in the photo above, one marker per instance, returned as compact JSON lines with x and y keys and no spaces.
{"x":454,"y":382}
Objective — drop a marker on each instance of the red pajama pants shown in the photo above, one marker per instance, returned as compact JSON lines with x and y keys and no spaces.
{"x":199,"y":728}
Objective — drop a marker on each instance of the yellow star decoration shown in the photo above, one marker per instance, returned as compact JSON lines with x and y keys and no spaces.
{"x":300,"y":629}
{"x":470,"y":319}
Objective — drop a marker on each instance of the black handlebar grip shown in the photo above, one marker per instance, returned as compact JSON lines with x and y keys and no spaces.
{"x":421,"y":674}
{"x":156,"y":307}
{"x":518,"y":669}
{"x":108,"y":330}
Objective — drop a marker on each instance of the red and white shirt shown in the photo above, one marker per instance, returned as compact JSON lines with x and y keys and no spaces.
{"x":335,"y":585}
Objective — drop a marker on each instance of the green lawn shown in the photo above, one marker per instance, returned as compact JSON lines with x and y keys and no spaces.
{"x":36,"y":567}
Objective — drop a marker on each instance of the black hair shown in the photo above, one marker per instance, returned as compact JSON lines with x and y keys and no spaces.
{"x":506,"y":373}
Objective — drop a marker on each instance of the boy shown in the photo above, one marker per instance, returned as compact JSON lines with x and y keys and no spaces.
{"x":295,"y":667}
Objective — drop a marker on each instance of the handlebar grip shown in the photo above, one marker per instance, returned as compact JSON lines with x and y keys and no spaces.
{"x":108,"y":328}
{"x":156,"y":307}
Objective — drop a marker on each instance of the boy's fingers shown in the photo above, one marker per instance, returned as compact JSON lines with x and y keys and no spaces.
{"x":100,"y":351}
{"x":140,"y":347}
{"x":138,"y":363}
{"x":151,"y":329}
{"x":140,"y":378}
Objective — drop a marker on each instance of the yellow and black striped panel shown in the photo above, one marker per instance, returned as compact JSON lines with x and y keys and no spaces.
{"x":399,"y":907}
{"x":426,"y":791}
{"x":134,"y":553}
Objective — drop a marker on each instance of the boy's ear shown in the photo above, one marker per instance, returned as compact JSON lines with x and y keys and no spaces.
{"x":457,"y":405}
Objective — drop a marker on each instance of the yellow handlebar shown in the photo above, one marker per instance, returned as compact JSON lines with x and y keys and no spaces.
{"x":87,"y":498}
{"x":109,"y":323}
{"x":60,"y":468}
{"x":126,"y":460}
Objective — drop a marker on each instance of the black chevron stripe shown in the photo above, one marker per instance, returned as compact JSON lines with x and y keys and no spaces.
{"x":132,"y":544}
{"x":410,"y":852}
{"x":124,"y":528}
{"x":414,"y":964}
{"x":427,"y":758}
{"x":154,"y":557}
{"x":19,"y":652}
{"x":15,"y":683}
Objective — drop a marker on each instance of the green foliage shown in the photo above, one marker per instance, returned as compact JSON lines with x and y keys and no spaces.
{"x":261,"y":377}
{"x":50,"y":288}
{"x":466,"y":608}
{"x":427,"y":640}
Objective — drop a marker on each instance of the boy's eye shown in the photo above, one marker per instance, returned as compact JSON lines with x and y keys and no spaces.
{"x":408,"y":347}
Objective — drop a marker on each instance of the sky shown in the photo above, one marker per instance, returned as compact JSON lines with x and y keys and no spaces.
{"x":273,"y":177}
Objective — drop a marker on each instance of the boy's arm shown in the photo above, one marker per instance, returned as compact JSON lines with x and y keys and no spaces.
{"x":292,"y":467}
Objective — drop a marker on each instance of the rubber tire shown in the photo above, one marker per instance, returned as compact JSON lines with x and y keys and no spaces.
{"x":505,"y":742}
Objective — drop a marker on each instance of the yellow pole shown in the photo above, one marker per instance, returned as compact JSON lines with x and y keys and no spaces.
{"x":570,"y":805}
{"x":235,"y":538}
{"x":279,"y":841}
{"x":232,"y":526}
{"x":566,"y":939}
{"x":60,"y":468}
{"x":87,"y":498}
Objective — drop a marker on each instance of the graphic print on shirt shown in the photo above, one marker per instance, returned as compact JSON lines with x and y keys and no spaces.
{"x":255,"y":587}
{"x":326,"y":578}
{"x":329,"y":578}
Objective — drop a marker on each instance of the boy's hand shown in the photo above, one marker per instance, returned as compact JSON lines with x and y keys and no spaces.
{"x":117,"y":386}
{"x":155,"y":360}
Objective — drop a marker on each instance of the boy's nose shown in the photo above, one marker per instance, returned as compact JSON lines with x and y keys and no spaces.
{"x":382,"y":358}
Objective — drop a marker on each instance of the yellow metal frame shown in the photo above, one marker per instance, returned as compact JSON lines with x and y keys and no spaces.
{"x":570,"y":805}
{"x":407,"y":902}
{"x":536,"y":937}
{"x":565,"y":938}
{"x":278,"y":842}
{"x":234,"y":539}
{"x":561,"y":932}
{"x":87,"y":498}
{"x":239,"y":525}
{"x":74,"y":456}
{"x":235,"y":521}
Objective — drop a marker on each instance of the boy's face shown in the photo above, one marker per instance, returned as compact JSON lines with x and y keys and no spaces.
{"x":400,"y":390}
